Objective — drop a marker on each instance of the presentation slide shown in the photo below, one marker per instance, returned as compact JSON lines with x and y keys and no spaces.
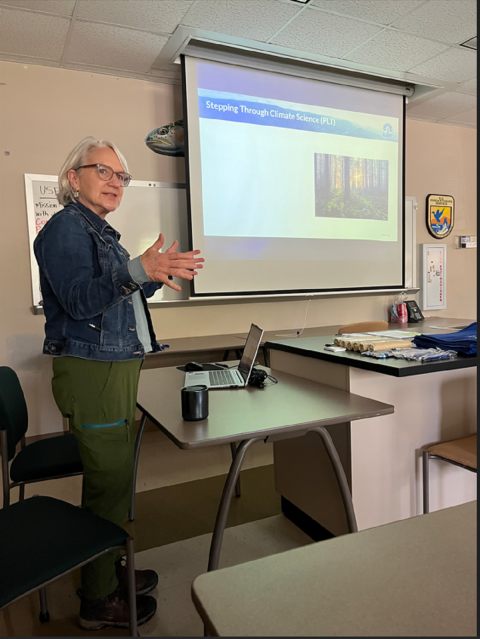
{"x":294,"y":184}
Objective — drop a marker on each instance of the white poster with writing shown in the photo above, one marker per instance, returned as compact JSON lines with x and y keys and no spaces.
{"x":41,"y":193}
{"x":433,"y":294}
{"x":147,"y":208}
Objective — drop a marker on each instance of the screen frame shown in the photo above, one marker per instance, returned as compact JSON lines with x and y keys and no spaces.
{"x":287,"y":292}
{"x":244,"y":369}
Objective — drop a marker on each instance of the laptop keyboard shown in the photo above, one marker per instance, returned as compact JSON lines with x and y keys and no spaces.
{"x":222,"y":378}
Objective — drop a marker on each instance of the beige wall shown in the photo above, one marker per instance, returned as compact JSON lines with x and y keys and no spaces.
{"x":45,"y":111}
{"x":443,"y":159}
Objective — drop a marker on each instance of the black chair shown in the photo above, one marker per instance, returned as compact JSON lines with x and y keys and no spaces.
{"x":459,"y":452}
{"x":50,"y":458}
{"x":42,"y":539}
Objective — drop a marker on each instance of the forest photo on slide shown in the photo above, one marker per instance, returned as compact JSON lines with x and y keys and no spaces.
{"x":347,"y":187}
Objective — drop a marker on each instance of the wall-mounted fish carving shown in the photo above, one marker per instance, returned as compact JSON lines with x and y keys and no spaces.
{"x":168,"y":139}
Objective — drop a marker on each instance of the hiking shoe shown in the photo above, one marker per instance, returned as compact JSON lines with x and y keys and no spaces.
{"x":114,"y":611}
{"x":145,"y":580}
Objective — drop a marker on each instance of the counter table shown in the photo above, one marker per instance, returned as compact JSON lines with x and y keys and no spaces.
{"x":433,"y":402}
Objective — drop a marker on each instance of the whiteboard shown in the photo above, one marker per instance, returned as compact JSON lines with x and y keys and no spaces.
{"x":146,"y":209}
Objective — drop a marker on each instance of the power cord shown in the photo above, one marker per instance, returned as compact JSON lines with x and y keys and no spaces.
{"x":259,"y":377}
{"x":298,"y":333}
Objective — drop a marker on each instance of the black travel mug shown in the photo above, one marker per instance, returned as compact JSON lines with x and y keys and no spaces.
{"x":195,"y":403}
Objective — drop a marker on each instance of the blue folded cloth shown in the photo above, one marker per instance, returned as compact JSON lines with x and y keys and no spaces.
{"x":464,"y":341}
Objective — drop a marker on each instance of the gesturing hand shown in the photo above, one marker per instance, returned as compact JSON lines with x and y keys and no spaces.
{"x":158,"y":266}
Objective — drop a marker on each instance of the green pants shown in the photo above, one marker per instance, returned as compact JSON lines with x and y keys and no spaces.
{"x":99,"y":399}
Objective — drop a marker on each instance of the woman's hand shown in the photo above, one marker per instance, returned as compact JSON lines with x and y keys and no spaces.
{"x":158,"y":266}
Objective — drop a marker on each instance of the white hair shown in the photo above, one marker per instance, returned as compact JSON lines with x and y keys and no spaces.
{"x":75,"y":159}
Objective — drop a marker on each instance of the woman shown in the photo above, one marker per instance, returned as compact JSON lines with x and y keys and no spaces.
{"x":98,"y":329}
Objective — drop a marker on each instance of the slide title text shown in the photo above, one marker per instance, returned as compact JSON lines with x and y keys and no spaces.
{"x":273,"y":113}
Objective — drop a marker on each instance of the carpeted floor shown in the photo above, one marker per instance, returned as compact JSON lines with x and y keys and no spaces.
{"x":170,"y":514}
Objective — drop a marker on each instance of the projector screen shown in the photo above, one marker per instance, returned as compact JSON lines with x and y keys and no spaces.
{"x":294,"y":185}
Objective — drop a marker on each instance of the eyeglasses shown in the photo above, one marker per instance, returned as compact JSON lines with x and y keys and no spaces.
{"x":106,"y":173}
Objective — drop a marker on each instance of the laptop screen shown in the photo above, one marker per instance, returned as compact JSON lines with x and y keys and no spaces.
{"x":250,"y":351}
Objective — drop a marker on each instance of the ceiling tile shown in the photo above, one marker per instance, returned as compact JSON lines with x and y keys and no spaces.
{"x":446,"y":20}
{"x":444,"y":105}
{"x":33,"y":34}
{"x":450,"y":123}
{"x":63,"y":7}
{"x":114,"y":47}
{"x":156,"y":16}
{"x":257,"y":20}
{"x":467,"y":117}
{"x":396,"y":51}
{"x":421,"y":119}
{"x":383,"y":12}
{"x":454,"y":65}
{"x":324,"y":34}
{"x":468,"y":87}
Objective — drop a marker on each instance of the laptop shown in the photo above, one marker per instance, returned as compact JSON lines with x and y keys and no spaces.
{"x":234,"y":378}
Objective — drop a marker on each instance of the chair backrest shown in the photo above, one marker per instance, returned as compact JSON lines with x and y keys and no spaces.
{"x":13,"y":409}
{"x":363,"y":327}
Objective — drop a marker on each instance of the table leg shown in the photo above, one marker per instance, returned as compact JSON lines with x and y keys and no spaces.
{"x":221,"y":520}
{"x":340,"y":474}
{"x":426,"y":480}
{"x":238,"y":488}
{"x":138,"y":441}
{"x":265,"y":355}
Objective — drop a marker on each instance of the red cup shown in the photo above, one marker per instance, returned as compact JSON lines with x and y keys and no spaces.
{"x":402,"y":313}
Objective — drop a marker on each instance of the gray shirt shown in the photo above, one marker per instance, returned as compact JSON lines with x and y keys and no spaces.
{"x":136,"y":270}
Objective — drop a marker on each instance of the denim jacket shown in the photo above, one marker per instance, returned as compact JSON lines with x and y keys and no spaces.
{"x":87,"y":288}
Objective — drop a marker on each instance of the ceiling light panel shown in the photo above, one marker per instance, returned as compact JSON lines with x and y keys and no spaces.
{"x":324,"y":34}
{"x":384,"y":12}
